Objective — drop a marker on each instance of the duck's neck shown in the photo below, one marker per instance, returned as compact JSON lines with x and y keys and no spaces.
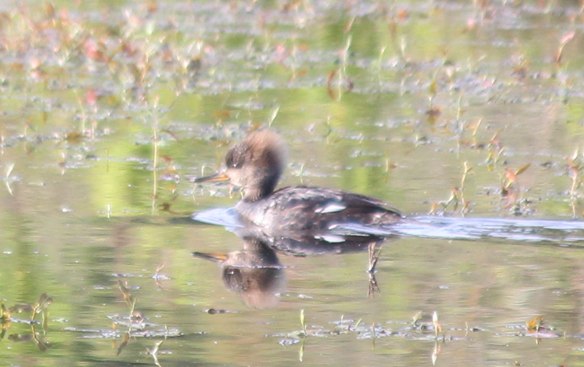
{"x":256,"y":194}
{"x":262,"y":190}
{"x":261,"y":251}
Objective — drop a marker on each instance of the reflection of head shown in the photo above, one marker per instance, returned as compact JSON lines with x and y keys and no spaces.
{"x":254,"y":273}
{"x":257,"y":287}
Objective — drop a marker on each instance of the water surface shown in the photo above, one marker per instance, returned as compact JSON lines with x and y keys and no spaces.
{"x":455,"y":110}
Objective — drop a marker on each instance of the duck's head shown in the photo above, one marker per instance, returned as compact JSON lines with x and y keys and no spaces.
{"x":255,"y":164}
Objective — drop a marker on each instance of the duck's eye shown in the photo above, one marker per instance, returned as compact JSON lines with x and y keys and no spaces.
{"x":230,"y":163}
{"x":238,"y":156}
{"x":233,"y":161}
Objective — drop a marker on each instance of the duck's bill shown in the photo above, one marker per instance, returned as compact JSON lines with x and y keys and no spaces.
{"x":217,"y":258}
{"x":216,"y":177}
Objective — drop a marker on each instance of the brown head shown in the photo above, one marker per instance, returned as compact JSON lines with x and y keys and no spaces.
{"x":255,"y":164}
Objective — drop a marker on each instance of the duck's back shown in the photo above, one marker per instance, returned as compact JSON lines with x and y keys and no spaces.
{"x":306,"y":208}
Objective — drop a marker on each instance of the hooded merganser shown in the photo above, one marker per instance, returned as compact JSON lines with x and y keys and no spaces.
{"x":256,"y":164}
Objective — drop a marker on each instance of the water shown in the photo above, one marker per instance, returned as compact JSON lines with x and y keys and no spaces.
{"x":109,"y":111}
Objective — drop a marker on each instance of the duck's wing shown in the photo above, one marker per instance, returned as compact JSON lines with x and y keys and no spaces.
{"x":367,"y":203}
{"x":315,"y":207}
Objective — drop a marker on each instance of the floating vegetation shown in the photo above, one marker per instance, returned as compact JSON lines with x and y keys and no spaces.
{"x":129,"y":327}
{"x":136,"y":324}
{"x":215,"y":311}
{"x":36,"y":336}
{"x":154,"y":331}
{"x":422,"y":328}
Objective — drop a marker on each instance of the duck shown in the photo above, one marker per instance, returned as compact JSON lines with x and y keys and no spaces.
{"x":256,"y":165}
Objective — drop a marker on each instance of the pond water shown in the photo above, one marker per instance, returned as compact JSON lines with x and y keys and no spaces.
{"x":455,"y":112}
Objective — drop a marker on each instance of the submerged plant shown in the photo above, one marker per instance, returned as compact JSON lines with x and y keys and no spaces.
{"x":574,"y":168}
{"x":512,"y":192}
{"x":457,"y":199}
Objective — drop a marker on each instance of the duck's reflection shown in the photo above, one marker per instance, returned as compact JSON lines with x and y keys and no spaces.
{"x":256,"y":274}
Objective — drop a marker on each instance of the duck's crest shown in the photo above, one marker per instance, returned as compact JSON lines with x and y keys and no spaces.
{"x":267,"y":149}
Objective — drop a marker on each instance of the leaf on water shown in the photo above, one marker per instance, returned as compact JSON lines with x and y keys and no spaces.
{"x":173,"y":135}
{"x":495,"y":139}
{"x":301,"y":72}
{"x":535,"y":323}
{"x":167,"y":159}
{"x":433,"y":88}
{"x":522,"y":169}
{"x":435,"y":353}
{"x":437,"y":326}
{"x":6,"y":181}
{"x":392,"y":27}
{"x":402,"y":14}
{"x":137,"y":316}
{"x":301,"y":351}
{"x":91,"y":97}
{"x":94,"y":50}
{"x":331,"y":77}
{"x":470,"y":25}
{"x":222,"y":114}
{"x":511,"y":177}
{"x":125,"y":342}
{"x":154,"y":350}
{"x":567,"y":37}
{"x":45,"y":314}
{"x":574,"y":156}
{"x":50,"y":10}
{"x":417,"y":317}
{"x":349,"y":25}
{"x":41,"y":342}
{"x":43,"y":302}
{"x":5,"y":314}
{"x":126,"y":293}
{"x":433,"y":114}
{"x":74,"y":137}
{"x":329,"y":85}
{"x":152,"y":6}
{"x":433,"y":208}
{"x":9,"y":169}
